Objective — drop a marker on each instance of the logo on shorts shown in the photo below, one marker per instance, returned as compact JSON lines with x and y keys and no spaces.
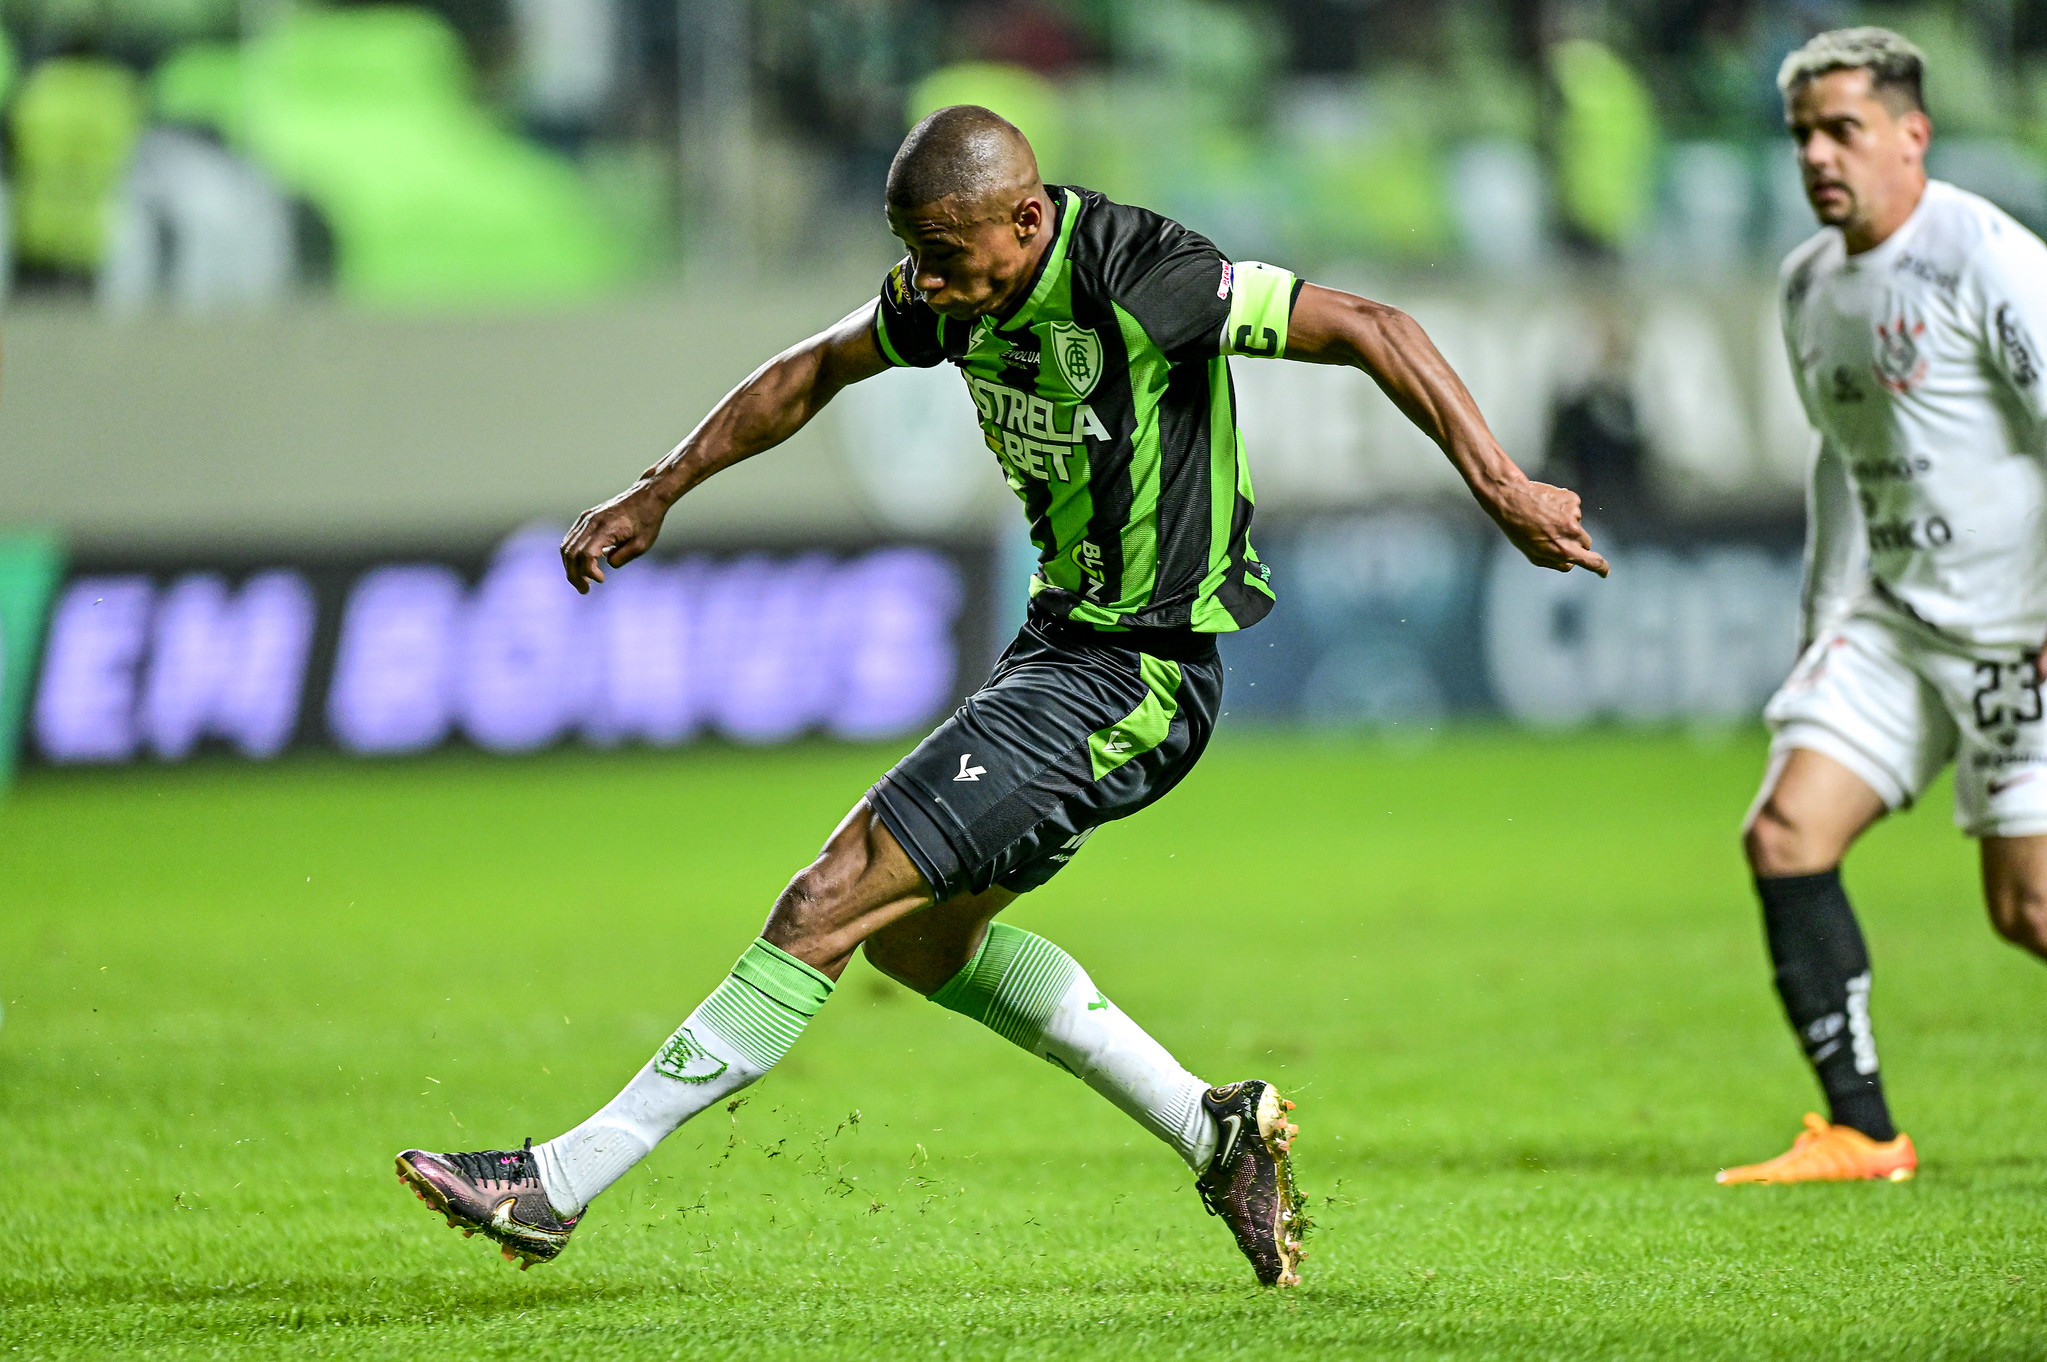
{"x":1071,"y":845}
{"x":970,"y":772}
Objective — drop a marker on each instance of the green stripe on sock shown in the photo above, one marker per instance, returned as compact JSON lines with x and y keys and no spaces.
{"x":751,"y":1023}
{"x":1011,"y":985}
{"x":971,"y":990}
{"x":763,"y":1005}
{"x":784,"y":978}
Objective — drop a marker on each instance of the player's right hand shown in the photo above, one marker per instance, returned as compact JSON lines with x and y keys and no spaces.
{"x":611,"y":535}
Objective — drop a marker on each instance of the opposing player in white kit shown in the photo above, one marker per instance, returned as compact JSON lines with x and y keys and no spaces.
{"x":1912,"y":322}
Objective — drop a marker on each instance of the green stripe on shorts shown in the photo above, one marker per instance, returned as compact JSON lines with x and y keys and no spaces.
{"x":1147,"y":725}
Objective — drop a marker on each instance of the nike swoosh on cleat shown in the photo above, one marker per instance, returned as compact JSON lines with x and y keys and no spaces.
{"x":503,"y":1221}
{"x":1235,"y":1123}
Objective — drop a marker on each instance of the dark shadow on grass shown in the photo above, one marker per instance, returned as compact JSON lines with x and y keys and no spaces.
{"x":1538,"y":1159}
{"x":376,"y":1302}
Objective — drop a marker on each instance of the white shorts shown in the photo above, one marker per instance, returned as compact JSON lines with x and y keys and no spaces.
{"x":1894,"y":701}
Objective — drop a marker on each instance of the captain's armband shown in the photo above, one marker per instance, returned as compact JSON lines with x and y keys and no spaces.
{"x":1261,"y":300}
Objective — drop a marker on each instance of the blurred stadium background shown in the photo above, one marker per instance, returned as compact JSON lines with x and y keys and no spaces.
{"x":322,"y":319}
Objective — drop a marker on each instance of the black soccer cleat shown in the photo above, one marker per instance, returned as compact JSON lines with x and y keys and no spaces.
{"x":1250,"y":1181}
{"x":496,"y":1192}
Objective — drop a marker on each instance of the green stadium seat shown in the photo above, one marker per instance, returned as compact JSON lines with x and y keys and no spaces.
{"x":74,"y":124}
{"x":200,"y":85}
{"x":367,"y":113}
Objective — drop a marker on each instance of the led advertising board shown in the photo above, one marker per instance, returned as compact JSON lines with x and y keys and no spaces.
{"x":401,"y":656}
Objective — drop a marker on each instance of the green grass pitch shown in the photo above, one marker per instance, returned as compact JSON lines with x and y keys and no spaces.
{"x":1516,"y":984}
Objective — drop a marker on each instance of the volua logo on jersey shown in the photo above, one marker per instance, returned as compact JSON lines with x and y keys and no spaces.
{"x":29,"y":566}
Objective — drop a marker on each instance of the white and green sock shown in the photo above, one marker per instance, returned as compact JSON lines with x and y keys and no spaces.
{"x":734,"y":1037}
{"x":1035,"y":995}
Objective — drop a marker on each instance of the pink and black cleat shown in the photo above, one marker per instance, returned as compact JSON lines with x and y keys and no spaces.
{"x":1250,"y":1181}
{"x":494,"y":1191}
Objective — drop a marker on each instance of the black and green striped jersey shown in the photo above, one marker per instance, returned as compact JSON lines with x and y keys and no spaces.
{"x":1106,"y":397}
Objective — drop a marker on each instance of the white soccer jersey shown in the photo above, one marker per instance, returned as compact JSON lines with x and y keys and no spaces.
{"x":1918,"y":364}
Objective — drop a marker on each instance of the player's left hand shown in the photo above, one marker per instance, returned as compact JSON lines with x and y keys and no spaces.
{"x":611,"y":535}
{"x":1547,"y":524}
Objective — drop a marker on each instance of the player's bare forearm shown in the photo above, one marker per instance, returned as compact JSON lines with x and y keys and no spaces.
{"x":1332,"y":327}
{"x":776,"y":400}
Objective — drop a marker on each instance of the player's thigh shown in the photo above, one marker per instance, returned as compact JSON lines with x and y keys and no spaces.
{"x":1065,"y":737}
{"x":860,"y":883}
{"x":1856,"y":730}
{"x":2015,"y":889}
{"x":925,"y":949}
{"x":1121,"y":769}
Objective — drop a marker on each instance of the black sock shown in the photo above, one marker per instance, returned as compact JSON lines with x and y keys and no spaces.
{"x":1823,"y":978}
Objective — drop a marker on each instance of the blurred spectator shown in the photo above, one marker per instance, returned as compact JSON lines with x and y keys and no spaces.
{"x":1596,"y":445}
{"x":569,"y":53}
{"x":199,"y":226}
{"x":1392,"y":133}
{"x":840,"y":72}
{"x":1501,"y":203}
{"x":1038,"y":37}
{"x":1605,"y":143}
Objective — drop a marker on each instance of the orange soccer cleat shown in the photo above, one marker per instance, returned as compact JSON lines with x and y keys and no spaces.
{"x":1830,"y":1153}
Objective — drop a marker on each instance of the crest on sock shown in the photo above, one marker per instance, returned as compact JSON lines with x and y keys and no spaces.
{"x":685,"y":1059}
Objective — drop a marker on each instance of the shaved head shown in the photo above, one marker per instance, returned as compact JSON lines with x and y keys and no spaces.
{"x":964,"y":152}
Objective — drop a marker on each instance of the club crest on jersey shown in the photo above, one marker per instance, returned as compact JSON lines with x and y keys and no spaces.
{"x":1899,"y":365}
{"x":1078,"y":353}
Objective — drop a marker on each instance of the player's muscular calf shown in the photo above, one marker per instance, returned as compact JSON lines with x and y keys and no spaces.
{"x":926,"y":949}
{"x":1811,"y":811}
{"x":859,"y":884}
{"x":2015,"y":890}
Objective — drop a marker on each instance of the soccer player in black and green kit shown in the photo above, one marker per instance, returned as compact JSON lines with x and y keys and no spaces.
{"x":1094,"y":339}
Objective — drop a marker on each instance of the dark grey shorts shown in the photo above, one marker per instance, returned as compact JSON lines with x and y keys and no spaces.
{"x":1069,"y":733}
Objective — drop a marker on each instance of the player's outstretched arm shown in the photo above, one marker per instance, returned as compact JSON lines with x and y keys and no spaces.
{"x":774,"y":403}
{"x":1332,"y":327}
